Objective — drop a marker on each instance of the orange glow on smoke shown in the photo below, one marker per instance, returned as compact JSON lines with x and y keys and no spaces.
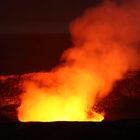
{"x":63,"y":100}
{"x":104,"y":49}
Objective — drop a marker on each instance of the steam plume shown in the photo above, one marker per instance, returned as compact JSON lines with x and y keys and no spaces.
{"x":105,"y":46}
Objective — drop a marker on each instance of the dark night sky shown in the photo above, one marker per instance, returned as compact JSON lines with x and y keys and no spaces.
{"x":25,"y":41}
{"x":40,"y":16}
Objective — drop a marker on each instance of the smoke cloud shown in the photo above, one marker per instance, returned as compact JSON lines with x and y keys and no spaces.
{"x":106,"y":43}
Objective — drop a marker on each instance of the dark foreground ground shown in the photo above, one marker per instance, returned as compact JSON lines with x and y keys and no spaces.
{"x":71,"y":130}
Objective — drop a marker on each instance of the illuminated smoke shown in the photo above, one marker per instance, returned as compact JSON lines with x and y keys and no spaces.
{"x":105,"y":46}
